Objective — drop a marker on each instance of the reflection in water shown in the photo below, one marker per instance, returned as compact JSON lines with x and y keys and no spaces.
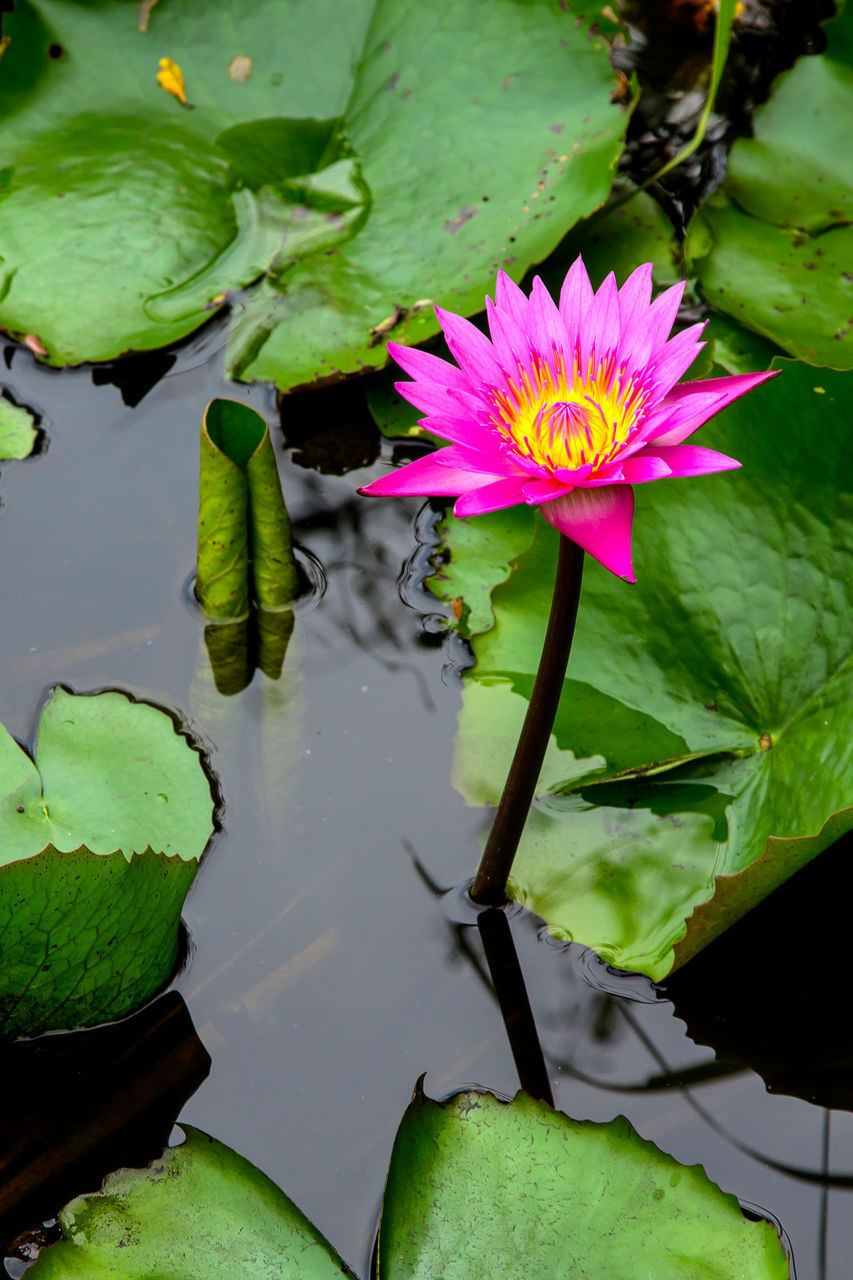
{"x":237,"y":649}
{"x":511,"y":993}
{"x":76,"y":1106}
{"x":589,"y":1035}
{"x":766,"y":993}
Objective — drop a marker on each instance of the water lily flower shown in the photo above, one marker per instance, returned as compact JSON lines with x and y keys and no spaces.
{"x":566,"y":408}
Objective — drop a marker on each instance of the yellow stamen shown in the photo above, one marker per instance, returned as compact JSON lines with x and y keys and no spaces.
{"x":563,"y":420}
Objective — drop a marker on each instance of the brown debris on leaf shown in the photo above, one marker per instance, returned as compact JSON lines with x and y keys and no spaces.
{"x":240,"y":68}
{"x":35,"y":344}
{"x":143,"y":13}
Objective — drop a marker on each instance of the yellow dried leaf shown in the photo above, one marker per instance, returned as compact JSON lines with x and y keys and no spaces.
{"x":171,"y":78}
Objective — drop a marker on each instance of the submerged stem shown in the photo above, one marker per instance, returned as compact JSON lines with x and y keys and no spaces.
{"x":489,"y":888}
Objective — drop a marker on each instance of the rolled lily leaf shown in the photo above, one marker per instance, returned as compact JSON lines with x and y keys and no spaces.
{"x":244,"y":538}
{"x":17,"y":433}
{"x":100,"y":839}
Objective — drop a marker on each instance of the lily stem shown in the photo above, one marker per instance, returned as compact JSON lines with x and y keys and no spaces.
{"x":489,"y":887}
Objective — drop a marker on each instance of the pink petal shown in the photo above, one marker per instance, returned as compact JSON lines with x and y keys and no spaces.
{"x":420,"y":364}
{"x":544,"y":490}
{"x":691,"y":460}
{"x":634,"y":297}
{"x":632,"y":470}
{"x":547,"y":330}
{"x":650,"y":331}
{"x":690,"y":404}
{"x":675,"y":359}
{"x":490,"y":497}
{"x":487,"y":462}
{"x":511,"y":344}
{"x":604,"y":323}
{"x":511,"y":299}
{"x":645,"y":467}
{"x":599,"y":520}
{"x":427,"y":478}
{"x":462,"y":431}
{"x":575,"y":299}
{"x":471,"y":349}
{"x":431,"y":397}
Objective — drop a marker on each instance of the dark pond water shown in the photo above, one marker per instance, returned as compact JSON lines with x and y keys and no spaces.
{"x":327,"y":970}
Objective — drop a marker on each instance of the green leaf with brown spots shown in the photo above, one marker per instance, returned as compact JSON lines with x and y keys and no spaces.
{"x":477,"y":1190}
{"x":777,"y":253}
{"x":245,"y":543}
{"x":359,"y":161}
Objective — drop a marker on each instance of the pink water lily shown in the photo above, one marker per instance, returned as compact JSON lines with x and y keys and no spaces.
{"x":565,"y":408}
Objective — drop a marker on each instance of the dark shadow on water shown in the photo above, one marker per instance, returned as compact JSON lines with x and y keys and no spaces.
{"x":772,"y":992}
{"x":77,"y":1106}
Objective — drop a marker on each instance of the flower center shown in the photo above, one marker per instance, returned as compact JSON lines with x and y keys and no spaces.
{"x":564,"y":421}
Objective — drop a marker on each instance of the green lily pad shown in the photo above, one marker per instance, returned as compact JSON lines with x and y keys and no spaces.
{"x":734,"y":348}
{"x":480,"y":1189}
{"x":202,"y":198}
{"x":794,"y":289}
{"x":199,"y":1212}
{"x":100,"y":839}
{"x":526,"y":145}
{"x":17,"y":432}
{"x":617,"y":238}
{"x":701,"y":752}
{"x":477,"y":1190}
{"x":796,"y":170}
{"x":463,"y":137}
{"x":778,"y":258}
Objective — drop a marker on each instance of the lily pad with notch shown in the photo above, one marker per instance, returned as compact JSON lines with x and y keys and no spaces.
{"x":374,"y":160}
{"x":101,"y":834}
{"x":477,"y":1189}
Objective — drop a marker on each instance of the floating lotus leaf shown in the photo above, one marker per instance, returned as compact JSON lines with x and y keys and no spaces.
{"x":366,"y":160}
{"x":484,"y":1190}
{"x":477,"y":1190}
{"x":17,"y":432}
{"x":100,"y":838}
{"x":776,"y":253}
